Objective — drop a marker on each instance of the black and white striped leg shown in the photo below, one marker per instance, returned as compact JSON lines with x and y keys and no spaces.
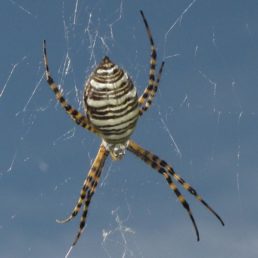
{"x":152,"y":93}
{"x":79,"y":118}
{"x":163,"y":168}
{"x":146,"y":98}
{"x":97,"y":167}
{"x":163,"y":164}
{"x":88,"y":190}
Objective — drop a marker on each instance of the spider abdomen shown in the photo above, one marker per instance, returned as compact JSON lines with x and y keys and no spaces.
{"x":111,"y":102}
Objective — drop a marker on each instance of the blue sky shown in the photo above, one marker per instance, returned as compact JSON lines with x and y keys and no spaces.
{"x":204,"y":122}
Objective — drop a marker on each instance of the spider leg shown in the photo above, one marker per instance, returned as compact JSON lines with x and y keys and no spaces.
{"x":141,"y":153}
{"x":79,"y":118}
{"x":85,"y":211}
{"x":163,"y":168}
{"x":83,"y":193}
{"x":180,"y":197}
{"x":151,"y":93}
{"x":146,"y":98}
{"x":186,"y":185}
{"x":89,"y":184}
{"x":98,"y":165}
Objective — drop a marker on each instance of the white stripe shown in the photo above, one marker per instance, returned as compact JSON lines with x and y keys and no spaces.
{"x":115,"y":108}
{"x":110,"y":70}
{"x":117,"y":102}
{"x":110,"y":113}
{"x":114,"y":85}
{"x":112,"y":96}
{"x":120,"y":136}
{"x":114,"y":91}
{"x":114,"y":121}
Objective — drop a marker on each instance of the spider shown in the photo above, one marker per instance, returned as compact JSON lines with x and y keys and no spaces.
{"x":112,"y":110}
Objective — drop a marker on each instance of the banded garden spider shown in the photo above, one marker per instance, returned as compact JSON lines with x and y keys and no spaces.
{"x":112,"y":109}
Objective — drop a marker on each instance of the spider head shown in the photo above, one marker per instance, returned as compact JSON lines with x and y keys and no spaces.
{"x":117,"y":151}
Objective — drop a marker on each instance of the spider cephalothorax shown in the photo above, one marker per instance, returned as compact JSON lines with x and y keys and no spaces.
{"x":112,"y":110}
{"x":116,"y":150}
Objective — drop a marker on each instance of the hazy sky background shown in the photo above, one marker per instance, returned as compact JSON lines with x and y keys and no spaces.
{"x":204,"y":121}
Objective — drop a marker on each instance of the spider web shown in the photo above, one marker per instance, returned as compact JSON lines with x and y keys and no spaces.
{"x":203,"y":122}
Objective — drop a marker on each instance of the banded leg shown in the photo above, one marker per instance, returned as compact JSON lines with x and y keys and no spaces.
{"x":163,"y":164}
{"x":138,"y":151}
{"x":79,"y":118}
{"x":151,"y":92}
{"x":88,"y":190}
{"x":85,"y":189}
{"x":86,"y":207}
{"x":163,"y":168}
{"x":145,"y":99}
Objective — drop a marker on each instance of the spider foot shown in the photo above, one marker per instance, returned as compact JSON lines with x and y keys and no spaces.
{"x":69,"y":251}
{"x":63,"y":221}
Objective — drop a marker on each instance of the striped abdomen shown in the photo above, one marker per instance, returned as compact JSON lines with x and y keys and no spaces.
{"x":111,"y":102}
